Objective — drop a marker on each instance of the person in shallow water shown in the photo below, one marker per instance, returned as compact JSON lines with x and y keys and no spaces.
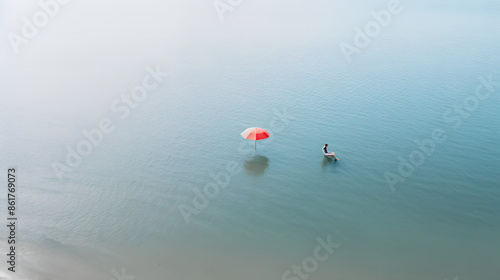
{"x":326,"y":153}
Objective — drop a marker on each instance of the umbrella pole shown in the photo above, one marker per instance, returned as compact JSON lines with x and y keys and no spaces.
{"x":256,"y":145}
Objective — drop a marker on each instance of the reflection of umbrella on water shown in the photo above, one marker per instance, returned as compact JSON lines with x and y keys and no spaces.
{"x":256,"y":165}
{"x":255,"y":133}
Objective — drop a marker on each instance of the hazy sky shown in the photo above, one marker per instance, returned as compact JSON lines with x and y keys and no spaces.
{"x":90,"y":50}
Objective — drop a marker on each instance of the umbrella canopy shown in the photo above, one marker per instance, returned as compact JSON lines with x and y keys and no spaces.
{"x":255,"y":133}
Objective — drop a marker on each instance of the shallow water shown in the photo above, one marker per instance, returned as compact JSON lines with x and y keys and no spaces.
{"x":119,"y":208}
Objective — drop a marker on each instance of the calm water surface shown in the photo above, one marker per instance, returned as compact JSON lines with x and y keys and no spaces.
{"x":120,"y":207}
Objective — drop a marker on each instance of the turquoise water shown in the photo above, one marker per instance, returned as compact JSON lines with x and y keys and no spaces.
{"x":119,"y":208}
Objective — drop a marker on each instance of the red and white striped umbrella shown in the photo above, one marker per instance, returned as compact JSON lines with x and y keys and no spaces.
{"x":255,"y":133}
